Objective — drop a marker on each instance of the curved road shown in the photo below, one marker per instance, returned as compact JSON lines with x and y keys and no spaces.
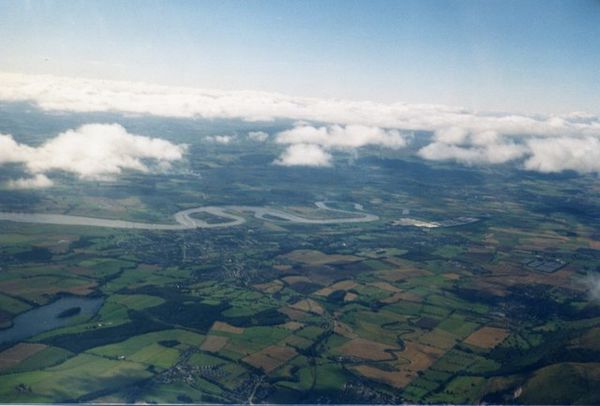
{"x":185,"y":221}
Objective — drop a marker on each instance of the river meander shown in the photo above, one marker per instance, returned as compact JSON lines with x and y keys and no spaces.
{"x":185,"y":220}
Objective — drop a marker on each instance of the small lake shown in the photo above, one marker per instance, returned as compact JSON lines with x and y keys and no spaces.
{"x":47,"y":317}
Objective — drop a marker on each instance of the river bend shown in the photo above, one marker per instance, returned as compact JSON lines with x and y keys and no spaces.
{"x":185,"y":221}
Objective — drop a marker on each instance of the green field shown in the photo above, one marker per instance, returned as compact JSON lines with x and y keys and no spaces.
{"x":278,"y":311}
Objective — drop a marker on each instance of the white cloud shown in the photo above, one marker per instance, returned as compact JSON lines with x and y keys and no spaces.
{"x":304,"y":155}
{"x":451,"y":135}
{"x":564,"y":153}
{"x":472,"y":148}
{"x":535,"y":153}
{"x":338,"y":137}
{"x":461,"y":135}
{"x":92,"y":151}
{"x":592,"y":282}
{"x":486,"y":154}
{"x":11,"y":151}
{"x":85,"y":95}
{"x":220,"y":139}
{"x":39,"y":181}
{"x":259,"y":136}
{"x":335,"y":137}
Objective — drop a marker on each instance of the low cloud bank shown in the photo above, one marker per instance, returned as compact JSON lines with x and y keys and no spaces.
{"x":545,"y":143}
{"x":87,"y":95}
{"x":92,"y":151}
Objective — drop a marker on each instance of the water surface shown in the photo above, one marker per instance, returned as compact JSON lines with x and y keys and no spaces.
{"x":185,"y":220}
{"x":45,"y":318}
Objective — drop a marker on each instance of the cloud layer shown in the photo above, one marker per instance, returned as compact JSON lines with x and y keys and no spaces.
{"x":86,"y":95}
{"x":545,"y":143}
{"x":92,"y":151}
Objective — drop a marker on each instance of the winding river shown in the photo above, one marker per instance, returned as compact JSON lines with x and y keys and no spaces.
{"x":185,"y":221}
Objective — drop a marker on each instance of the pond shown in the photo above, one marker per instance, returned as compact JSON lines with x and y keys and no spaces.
{"x":48,"y":317}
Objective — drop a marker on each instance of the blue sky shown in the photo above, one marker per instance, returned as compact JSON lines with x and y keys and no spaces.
{"x":525,"y":56}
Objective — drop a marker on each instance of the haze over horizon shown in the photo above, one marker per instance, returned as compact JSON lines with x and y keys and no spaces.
{"x":508,"y":56}
{"x":511,"y":82}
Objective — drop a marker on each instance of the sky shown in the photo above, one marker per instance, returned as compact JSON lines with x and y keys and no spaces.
{"x":493,"y":82}
{"x":506,"y":56}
